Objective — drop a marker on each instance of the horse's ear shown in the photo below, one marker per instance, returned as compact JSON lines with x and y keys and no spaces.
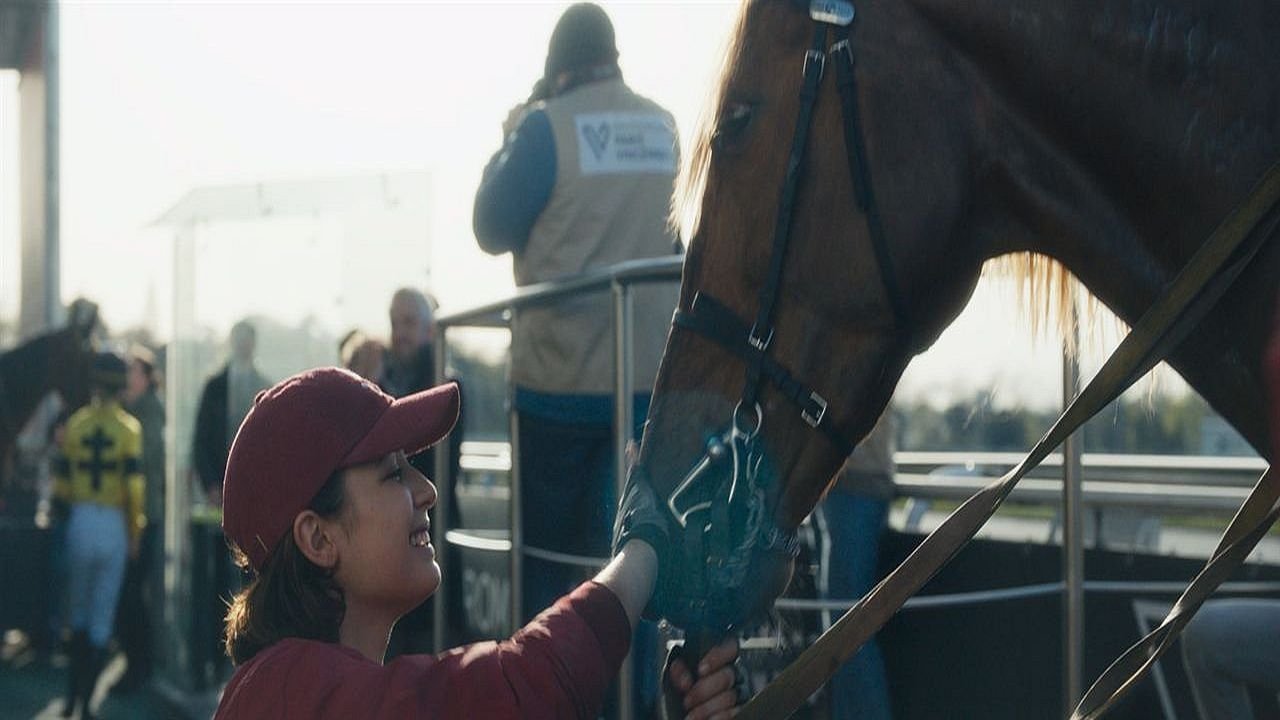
{"x":83,"y":317}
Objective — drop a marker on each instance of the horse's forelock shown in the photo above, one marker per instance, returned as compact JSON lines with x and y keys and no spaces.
{"x":686,"y":202}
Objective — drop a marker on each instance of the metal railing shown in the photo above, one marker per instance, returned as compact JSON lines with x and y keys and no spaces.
{"x":1186,"y":483}
{"x":618,"y":281}
{"x":1191,"y":483}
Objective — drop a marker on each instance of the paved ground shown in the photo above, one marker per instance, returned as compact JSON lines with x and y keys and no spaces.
{"x":33,"y":688}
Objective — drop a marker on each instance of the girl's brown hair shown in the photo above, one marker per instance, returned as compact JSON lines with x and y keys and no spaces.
{"x":291,"y":596}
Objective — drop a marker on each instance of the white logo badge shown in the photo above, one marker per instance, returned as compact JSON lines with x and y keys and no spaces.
{"x":620,"y":143}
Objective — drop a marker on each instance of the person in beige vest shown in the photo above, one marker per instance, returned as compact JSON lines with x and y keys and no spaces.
{"x":583,"y":181}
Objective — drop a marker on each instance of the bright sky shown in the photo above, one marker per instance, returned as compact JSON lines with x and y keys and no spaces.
{"x":158,"y":99}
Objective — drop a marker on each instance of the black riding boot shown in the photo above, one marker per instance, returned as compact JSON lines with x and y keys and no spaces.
{"x":76,"y":657}
{"x":94,"y":660}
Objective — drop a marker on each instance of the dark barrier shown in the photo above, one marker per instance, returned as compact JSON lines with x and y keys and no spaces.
{"x":1004,"y":659}
{"x":26,"y":574}
{"x":477,"y":581}
{"x":213,"y":580}
{"x":477,"y":584}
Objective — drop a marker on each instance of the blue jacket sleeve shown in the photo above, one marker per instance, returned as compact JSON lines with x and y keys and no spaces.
{"x":516,"y":186}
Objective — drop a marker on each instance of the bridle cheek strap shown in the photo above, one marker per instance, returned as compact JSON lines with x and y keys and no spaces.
{"x":711,"y":319}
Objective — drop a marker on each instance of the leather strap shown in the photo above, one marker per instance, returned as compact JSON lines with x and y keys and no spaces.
{"x":860,"y":171}
{"x":711,"y":319}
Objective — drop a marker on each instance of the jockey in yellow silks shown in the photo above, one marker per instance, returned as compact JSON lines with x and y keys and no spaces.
{"x":98,"y":474}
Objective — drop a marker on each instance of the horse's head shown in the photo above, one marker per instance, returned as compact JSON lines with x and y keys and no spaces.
{"x":70,"y":353}
{"x":775,"y":400}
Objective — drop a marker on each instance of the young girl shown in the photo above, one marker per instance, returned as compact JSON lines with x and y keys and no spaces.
{"x":325,"y":509}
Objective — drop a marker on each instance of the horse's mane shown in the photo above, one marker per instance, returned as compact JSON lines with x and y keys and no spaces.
{"x":686,"y":202}
{"x":1044,"y":289}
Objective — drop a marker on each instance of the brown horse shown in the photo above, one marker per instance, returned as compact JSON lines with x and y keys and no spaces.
{"x":1110,"y":137}
{"x":55,"y":361}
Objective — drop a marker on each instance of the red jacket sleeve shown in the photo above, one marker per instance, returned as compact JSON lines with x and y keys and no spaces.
{"x":558,"y":666}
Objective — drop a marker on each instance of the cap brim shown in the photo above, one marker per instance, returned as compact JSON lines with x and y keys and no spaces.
{"x":412,"y":423}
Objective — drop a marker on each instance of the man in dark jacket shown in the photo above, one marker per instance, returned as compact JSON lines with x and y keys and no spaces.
{"x":410,"y":362}
{"x":225,"y":400}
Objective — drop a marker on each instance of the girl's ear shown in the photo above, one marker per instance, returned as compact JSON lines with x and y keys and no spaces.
{"x":311,"y":535}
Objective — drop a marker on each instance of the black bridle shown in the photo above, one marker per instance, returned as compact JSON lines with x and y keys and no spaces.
{"x":721,"y":504}
{"x":712,"y":319}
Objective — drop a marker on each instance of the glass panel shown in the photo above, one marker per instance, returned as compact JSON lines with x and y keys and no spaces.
{"x":304,"y":263}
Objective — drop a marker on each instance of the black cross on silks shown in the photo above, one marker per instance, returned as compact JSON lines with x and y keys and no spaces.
{"x":97,"y":442}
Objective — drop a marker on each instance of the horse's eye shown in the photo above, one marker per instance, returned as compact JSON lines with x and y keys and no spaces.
{"x":733,"y":122}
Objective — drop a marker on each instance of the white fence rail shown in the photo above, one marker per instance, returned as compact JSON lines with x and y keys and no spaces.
{"x":1158,"y":483}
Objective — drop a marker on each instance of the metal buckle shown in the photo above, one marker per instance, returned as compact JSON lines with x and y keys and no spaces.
{"x":814,"y":57}
{"x":842,"y":46}
{"x":832,"y":12}
{"x":754,"y":340}
{"x":814,"y":420}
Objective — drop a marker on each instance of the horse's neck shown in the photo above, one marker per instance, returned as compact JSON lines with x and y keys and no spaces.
{"x":1157,"y":102}
{"x":26,"y":376}
{"x":1137,"y":127}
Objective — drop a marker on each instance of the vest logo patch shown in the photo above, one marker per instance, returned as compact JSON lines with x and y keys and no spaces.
{"x":598,"y":138}
{"x":616,"y":143}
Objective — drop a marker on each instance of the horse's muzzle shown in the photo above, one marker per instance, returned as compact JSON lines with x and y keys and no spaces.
{"x":720,"y":607}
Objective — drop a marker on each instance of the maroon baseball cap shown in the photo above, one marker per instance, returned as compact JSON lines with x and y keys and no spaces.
{"x":306,"y":427}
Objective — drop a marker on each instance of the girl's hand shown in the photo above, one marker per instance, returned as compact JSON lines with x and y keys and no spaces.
{"x":714,"y":695}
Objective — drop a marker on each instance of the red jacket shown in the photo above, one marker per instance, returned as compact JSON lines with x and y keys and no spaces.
{"x":557,"y":666}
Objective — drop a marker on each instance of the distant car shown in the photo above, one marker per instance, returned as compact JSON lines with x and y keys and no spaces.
{"x":917,"y":507}
{"x":968,"y":469}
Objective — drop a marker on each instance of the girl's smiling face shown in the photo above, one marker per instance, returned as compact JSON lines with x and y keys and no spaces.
{"x":385,"y":560}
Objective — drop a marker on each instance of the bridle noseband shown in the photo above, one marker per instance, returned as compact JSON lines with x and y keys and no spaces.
{"x":721,"y":505}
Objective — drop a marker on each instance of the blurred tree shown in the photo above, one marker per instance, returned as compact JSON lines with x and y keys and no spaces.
{"x":1162,"y":424}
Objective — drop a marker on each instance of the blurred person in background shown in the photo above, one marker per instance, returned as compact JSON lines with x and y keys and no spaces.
{"x":224,"y":401}
{"x":141,"y":596}
{"x":57,"y":615}
{"x":98,"y":481}
{"x":855,"y":514}
{"x":410,"y":365}
{"x":1233,"y":644}
{"x":363,"y":355}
